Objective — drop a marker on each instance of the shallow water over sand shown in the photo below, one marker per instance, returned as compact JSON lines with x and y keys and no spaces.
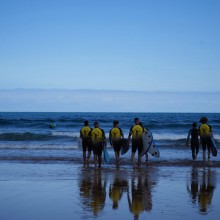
{"x":73,"y":191}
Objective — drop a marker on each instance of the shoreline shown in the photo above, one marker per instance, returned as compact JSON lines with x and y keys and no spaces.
{"x":71,"y":190}
{"x":124,"y":162}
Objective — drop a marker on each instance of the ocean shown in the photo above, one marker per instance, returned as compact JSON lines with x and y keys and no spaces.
{"x":27,"y":136}
{"x":42,"y":174}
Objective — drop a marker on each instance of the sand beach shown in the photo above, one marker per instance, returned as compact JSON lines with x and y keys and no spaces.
{"x":73,"y":190}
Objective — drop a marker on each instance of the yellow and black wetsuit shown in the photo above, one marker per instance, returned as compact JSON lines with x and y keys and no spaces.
{"x":136,"y":133}
{"x":115,"y":136}
{"x":84,"y":134}
{"x":205,"y":131}
{"x":98,"y":139}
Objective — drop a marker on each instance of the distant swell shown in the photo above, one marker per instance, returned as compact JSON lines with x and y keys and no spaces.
{"x":27,"y":136}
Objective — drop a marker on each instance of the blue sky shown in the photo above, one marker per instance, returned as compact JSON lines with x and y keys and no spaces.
{"x":145,"y":45}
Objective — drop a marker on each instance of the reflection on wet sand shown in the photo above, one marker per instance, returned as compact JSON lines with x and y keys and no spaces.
{"x":93,"y":191}
{"x":117,"y":188}
{"x":201,"y":189}
{"x":136,"y":185}
{"x":140,"y":199}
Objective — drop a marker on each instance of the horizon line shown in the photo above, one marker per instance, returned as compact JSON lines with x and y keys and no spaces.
{"x":107,"y":90}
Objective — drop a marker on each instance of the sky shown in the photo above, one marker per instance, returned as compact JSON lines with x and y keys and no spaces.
{"x":146,"y":46}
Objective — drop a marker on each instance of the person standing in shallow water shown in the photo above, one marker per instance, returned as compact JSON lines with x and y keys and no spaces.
{"x":205,"y":133}
{"x":115,"y":136}
{"x":194,"y":134}
{"x":137,"y":144}
{"x":86,"y":143}
{"x":98,"y":141}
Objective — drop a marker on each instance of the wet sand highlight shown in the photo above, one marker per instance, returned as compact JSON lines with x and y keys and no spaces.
{"x":70,"y":190}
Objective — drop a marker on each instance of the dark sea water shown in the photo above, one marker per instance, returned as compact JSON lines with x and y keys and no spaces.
{"x":42,"y":175}
{"x":28,"y":136}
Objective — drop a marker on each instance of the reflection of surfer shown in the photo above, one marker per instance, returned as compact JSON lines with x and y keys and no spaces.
{"x":202,"y":188}
{"x":116,"y":190}
{"x":141,"y":194}
{"x":93,"y":191}
{"x":193,"y":190}
{"x":206,"y":191}
{"x":98,"y":193}
{"x":85,"y":189}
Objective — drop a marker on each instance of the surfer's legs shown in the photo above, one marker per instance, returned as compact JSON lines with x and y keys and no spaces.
{"x":84,"y":150}
{"x":140,"y":148}
{"x":89,"y":151}
{"x":88,"y":155}
{"x":193,"y":152}
{"x":86,"y":147}
{"x":117,"y":148}
{"x":117,"y":157}
{"x":208,"y":153}
{"x":203,"y":141}
{"x":134,"y":149}
{"x":100,"y":159}
{"x":204,"y":155}
{"x":84,"y":156}
{"x":132,"y":158}
{"x":95,"y":159}
{"x":139,"y":159}
{"x":146,"y":157}
{"x":99,"y":153}
{"x":206,"y":144}
{"x":197,"y":149}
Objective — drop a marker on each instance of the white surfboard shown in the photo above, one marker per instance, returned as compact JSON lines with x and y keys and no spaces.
{"x":213,"y":148}
{"x":153,"y":150}
{"x":149,"y":145}
{"x":147,"y":138}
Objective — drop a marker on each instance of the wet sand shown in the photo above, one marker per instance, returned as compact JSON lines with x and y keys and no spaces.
{"x":70,"y":190}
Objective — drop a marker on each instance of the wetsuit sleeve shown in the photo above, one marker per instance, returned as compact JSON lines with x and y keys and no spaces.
{"x":103,"y":135}
{"x":110,"y":136}
{"x":188,"y":136}
{"x":129,"y":135}
{"x":130,"y":132}
{"x":90,"y":134}
{"x":199,"y":130}
{"x":211,"y":133}
{"x":121,"y":132}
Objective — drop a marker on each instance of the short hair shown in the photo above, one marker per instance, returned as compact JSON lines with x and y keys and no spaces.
{"x":115,"y":122}
{"x":136,"y":119}
{"x":96,"y":124}
{"x":86,"y":122}
{"x":203,"y":120}
{"x":194,"y":124}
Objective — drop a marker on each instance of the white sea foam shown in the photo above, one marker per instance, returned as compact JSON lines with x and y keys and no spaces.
{"x":65,"y":134}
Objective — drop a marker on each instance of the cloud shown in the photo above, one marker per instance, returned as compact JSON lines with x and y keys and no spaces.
{"x":37,"y":100}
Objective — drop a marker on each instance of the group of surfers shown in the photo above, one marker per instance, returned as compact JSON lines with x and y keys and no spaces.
{"x":94,"y":140}
{"x":202,"y":135}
